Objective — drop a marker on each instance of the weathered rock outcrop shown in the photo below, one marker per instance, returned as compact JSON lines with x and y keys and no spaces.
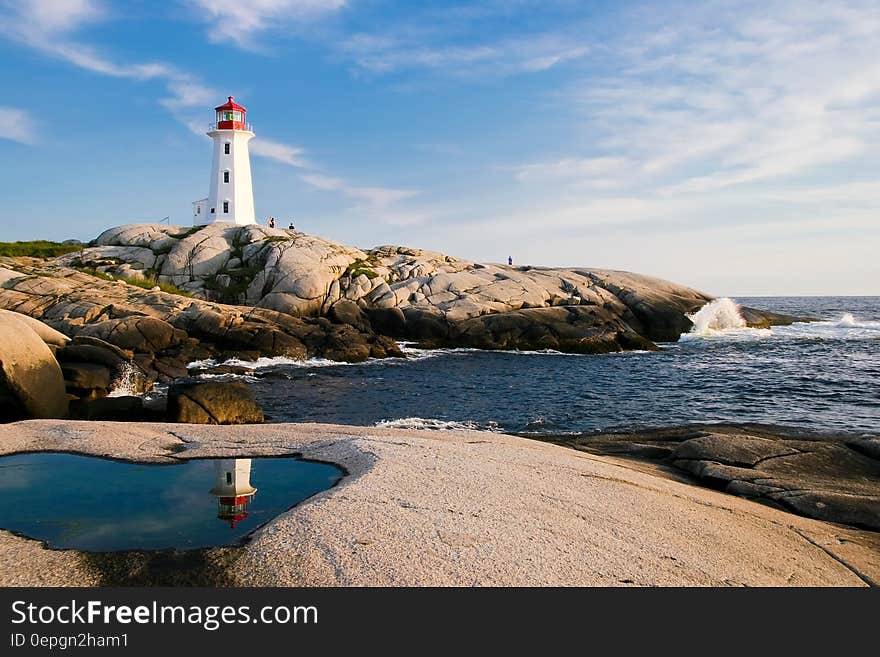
{"x":451,"y":508}
{"x":162,"y":332}
{"x":53,"y":339}
{"x":404,"y":292}
{"x":31,"y":383}
{"x":827,"y":477}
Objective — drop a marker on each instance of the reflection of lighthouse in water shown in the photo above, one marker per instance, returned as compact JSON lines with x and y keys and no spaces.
{"x":233,"y":489}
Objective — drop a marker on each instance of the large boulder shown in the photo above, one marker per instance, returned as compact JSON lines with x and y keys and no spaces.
{"x":137,"y":333}
{"x":213,"y":402}
{"x":47,"y":334}
{"x":31,"y":383}
{"x":86,"y":376}
{"x":572,"y":329}
{"x":89,"y":349}
{"x":348,"y":312}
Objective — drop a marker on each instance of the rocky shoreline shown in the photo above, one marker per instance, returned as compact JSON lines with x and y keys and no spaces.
{"x":403,"y":292}
{"x":143,"y":301}
{"x":452,"y":508}
{"x":831,"y":477}
{"x":85,"y":335}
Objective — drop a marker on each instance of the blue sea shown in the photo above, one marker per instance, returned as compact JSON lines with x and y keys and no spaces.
{"x":822,"y":375}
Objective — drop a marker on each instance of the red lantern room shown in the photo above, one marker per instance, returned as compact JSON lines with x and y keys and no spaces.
{"x":231,"y":116}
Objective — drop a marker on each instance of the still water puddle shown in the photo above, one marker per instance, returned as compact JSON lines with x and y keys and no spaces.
{"x":94,"y":504}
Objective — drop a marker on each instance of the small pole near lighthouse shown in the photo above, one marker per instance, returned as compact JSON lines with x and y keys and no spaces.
{"x":230,"y":193}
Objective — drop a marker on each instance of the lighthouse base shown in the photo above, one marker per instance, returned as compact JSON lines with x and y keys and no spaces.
{"x":202,"y":216}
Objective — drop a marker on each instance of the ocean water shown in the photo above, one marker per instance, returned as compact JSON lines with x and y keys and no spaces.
{"x":821,"y":375}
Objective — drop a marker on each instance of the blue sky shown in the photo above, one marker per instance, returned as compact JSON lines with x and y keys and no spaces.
{"x":731,"y":146}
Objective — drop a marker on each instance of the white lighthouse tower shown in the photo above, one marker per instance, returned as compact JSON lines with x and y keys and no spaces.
{"x":232,"y":486}
{"x":230,"y":194}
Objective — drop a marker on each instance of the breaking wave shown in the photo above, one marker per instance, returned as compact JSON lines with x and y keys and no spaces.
{"x":718,"y":315}
{"x":432,"y":424}
{"x":721,"y":318}
{"x":267,"y":361}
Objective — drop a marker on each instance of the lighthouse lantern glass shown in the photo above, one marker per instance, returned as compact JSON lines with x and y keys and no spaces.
{"x":230,"y":115}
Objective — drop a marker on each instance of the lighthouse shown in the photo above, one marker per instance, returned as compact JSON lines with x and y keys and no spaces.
{"x":230,"y":193}
{"x":232,"y":486}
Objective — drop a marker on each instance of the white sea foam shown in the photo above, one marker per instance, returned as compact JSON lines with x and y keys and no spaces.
{"x":718,"y":315}
{"x":432,"y":424}
{"x":845,"y":328}
{"x":227,"y":377}
{"x":721,"y":319}
{"x":126,"y":384}
{"x":266,"y":361}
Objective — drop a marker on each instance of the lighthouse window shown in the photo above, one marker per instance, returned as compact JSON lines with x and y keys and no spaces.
{"x":226,"y":147}
{"x":226,"y":176}
{"x":228,"y":477}
{"x":226,"y":207}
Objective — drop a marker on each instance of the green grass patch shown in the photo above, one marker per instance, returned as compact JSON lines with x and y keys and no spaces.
{"x":359,"y":267}
{"x":187,"y":233}
{"x":37,"y":249}
{"x":145,"y":283}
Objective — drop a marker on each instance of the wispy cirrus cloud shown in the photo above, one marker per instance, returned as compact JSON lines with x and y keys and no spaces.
{"x":411,"y":49}
{"x":734,"y":95}
{"x":595,"y":169}
{"x":376,"y":196}
{"x":241,"y":22}
{"x":18,"y":125}
{"x":750,"y":106}
{"x":51,"y":26}
{"x":280,"y":152}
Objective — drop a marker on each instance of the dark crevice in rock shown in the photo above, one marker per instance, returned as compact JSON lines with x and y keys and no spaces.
{"x":855,"y":571}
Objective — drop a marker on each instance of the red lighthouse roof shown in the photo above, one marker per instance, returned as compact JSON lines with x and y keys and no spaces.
{"x":230,"y":104}
{"x":231,"y":116}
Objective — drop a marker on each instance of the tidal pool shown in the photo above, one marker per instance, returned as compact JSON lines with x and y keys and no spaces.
{"x":101,"y":505}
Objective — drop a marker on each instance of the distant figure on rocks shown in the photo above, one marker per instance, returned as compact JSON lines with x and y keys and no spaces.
{"x":291,"y":226}
{"x":510,"y":260}
{"x":271,"y":222}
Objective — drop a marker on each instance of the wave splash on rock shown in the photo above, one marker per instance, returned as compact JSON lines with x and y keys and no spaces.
{"x":718,"y":315}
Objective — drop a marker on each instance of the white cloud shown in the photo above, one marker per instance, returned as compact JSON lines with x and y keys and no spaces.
{"x":738,"y":94}
{"x":592,"y":168}
{"x":47,"y":25}
{"x":186,"y":92}
{"x":240,"y":21}
{"x":283,"y":153}
{"x":55,"y":16}
{"x":376,"y":196}
{"x":409,"y":48}
{"x":18,"y":125}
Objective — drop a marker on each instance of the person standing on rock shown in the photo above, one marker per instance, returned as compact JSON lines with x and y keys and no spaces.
{"x":271,"y":222}
{"x":291,"y":227}
{"x":510,"y":260}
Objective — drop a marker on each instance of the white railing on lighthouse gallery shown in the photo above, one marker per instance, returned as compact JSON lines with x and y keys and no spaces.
{"x":247,"y":126}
